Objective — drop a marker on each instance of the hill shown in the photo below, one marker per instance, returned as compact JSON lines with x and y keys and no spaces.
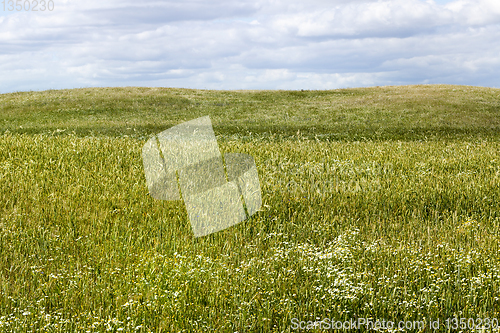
{"x":379,"y":113}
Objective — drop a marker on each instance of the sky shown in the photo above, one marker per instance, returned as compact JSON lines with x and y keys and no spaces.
{"x":248,"y":44}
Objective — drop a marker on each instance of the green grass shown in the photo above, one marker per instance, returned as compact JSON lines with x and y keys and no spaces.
{"x":382,"y":113}
{"x":377,"y":202}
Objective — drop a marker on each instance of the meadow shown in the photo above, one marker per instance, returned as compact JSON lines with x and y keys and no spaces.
{"x":378,"y":203}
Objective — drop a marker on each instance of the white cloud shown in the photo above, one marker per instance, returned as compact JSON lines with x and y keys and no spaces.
{"x":264,"y":44}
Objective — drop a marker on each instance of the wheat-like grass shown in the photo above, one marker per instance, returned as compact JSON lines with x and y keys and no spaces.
{"x":377,"y":203}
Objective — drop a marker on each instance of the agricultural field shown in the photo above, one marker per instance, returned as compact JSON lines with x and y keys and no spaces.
{"x":378,"y":203}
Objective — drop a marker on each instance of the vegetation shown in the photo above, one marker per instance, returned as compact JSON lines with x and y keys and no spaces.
{"x":378,"y":203}
{"x":382,"y":113}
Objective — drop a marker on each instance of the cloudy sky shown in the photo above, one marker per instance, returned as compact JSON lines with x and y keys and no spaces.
{"x":249,"y":44}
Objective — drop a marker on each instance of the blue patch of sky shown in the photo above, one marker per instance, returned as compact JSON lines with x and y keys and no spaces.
{"x":5,"y":8}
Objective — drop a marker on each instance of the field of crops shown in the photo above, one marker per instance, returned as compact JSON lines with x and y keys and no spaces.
{"x":378,"y":203}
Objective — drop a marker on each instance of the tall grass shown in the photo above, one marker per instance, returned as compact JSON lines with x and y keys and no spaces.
{"x":387,"y":229}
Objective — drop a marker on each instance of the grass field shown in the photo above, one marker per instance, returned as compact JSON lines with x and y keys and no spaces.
{"x":378,"y":203}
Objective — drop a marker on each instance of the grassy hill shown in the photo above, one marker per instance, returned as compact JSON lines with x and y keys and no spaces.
{"x":378,"y":203}
{"x":394,"y":113}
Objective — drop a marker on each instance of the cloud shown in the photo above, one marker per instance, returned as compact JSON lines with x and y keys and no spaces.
{"x":263,"y":44}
